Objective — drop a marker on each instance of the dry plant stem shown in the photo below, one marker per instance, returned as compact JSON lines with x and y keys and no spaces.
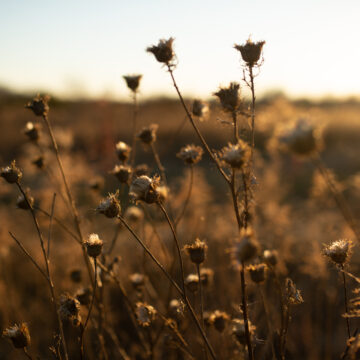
{"x":253,"y":98}
{"x":27,"y":354}
{"x":176,"y":286}
{"x":187,"y":200}
{"x":50,"y":224}
{"x":159,"y":164}
{"x":236,"y":128}
{"x":201,"y":304}
{"x":48,"y":274}
{"x":346,"y":302}
{"x":135,"y":115}
{"x":235,"y":198}
{"x":284,"y":332}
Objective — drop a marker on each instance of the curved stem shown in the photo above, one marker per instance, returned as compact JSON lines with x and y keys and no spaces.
{"x":346,"y":303}
{"x":253,"y":98}
{"x":158,"y":163}
{"x":187,"y":200}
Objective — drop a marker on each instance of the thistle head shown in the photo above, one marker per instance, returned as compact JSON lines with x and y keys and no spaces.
{"x":247,"y":247}
{"x":145,"y":314}
{"x":229,"y":97}
{"x":132,"y":81}
{"x":144,"y":188}
{"x":122,"y":173}
{"x":32,"y":131}
{"x":339,"y":252}
{"x":11,"y":173}
{"x":134,"y":214}
{"x":19,"y":335}
{"x":94,"y":245}
{"x":196,"y":251}
{"x":192,"y":282}
{"x":110,"y":206}
{"x":271,"y":257}
{"x":163,"y":51}
{"x":206,"y":276}
{"x":39,"y":105}
{"x":190,"y":154}
{"x":292,"y":294}
{"x":122,"y":151}
{"x":200,"y":109}
{"x":257,"y":273}
{"x":219,"y":319}
{"x":137,"y":280}
{"x":147,"y":135}
{"x":69,"y":309}
{"x":250,"y":51}
{"x":238,"y":330}
{"x":236,"y":155}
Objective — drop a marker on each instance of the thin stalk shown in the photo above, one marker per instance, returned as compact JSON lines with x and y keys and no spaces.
{"x":135,"y":115}
{"x":187,"y":200}
{"x":201,"y":304}
{"x":253,"y":98}
{"x":235,"y":198}
{"x":236,"y":127}
{"x":158,"y":163}
{"x":346,"y":302}
{"x":50,"y":224}
{"x":27,"y":354}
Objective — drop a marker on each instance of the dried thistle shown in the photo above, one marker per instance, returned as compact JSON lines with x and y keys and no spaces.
{"x":122,"y":173}
{"x":197,"y":251}
{"x":94,"y":245}
{"x":145,"y":189}
{"x":247,"y":247}
{"x":206,"y":276}
{"x":192,"y":282}
{"x":176,"y":308}
{"x":200,"y":109}
{"x":83,"y":295}
{"x":257,"y":273}
{"x":250,"y":51}
{"x":145,"y":313}
{"x":11,"y":173}
{"x":122,"y":151}
{"x":110,"y":206}
{"x":134,"y":214}
{"x":292,"y":294}
{"x":236,"y":155}
{"x":141,"y":169}
{"x":137,"y":280}
{"x":19,"y":335}
{"x":238,"y":330}
{"x":39,"y":105}
{"x":229,"y":97}
{"x":132,"y":81}
{"x":219,"y":319}
{"x":339,"y":251}
{"x":190,"y":154}
{"x":70,"y":309}
{"x":271,"y":257}
{"x":148,"y":134}
{"x":163,"y":51}
{"x":32,"y":131}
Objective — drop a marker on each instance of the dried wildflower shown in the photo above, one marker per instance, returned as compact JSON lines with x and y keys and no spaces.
{"x":339,"y":251}
{"x":122,"y":151}
{"x":11,"y":173}
{"x":39,"y":162}
{"x":229,"y":97}
{"x":23,"y":203}
{"x":145,"y":189}
{"x":206,"y":276}
{"x":271,"y":257}
{"x":32,"y":131}
{"x":148,"y":134}
{"x":219,"y":319}
{"x":247,"y":247}
{"x":163,"y":51}
{"x":132,"y":81}
{"x":145,"y":313}
{"x":250,"y":52}
{"x":190,"y":154}
{"x":137,"y":280}
{"x":83,"y":295}
{"x":200,"y":109}
{"x":176,"y":308}
{"x":70,"y":309}
{"x":76,"y":275}
{"x":196,"y":251}
{"x":257,"y":273}
{"x":302,"y":138}
{"x":122,"y":173}
{"x":238,"y":330}
{"x":39,"y":105}
{"x":94,"y":245}
{"x":237,"y":155}
{"x":192,"y":282}
{"x":293,"y":295}
{"x":19,"y":335}
{"x":134,"y":214}
{"x":110,"y":206}
{"x":141,"y":169}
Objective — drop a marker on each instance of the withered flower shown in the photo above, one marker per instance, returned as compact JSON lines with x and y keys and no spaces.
{"x":11,"y":173}
{"x":110,"y":206}
{"x":190,"y":154}
{"x":94,"y":245}
{"x":196,"y":251}
{"x":250,"y":51}
{"x":132,"y":81}
{"x":39,"y":105}
{"x":163,"y":51}
{"x":19,"y":335}
{"x":144,"y":188}
{"x":236,"y":155}
{"x":148,"y":134}
{"x":229,"y":97}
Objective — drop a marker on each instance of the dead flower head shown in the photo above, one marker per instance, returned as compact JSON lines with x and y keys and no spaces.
{"x":110,"y":206}
{"x":257,"y":273}
{"x":123,"y":151}
{"x":229,"y":97}
{"x":132,"y":81}
{"x":238,"y":330}
{"x":19,"y":335}
{"x":219,"y":319}
{"x":271,"y":257}
{"x":247,"y":247}
{"x":144,"y":188}
{"x":11,"y":173}
{"x":94,"y":245}
{"x":192,"y":282}
{"x":293,"y":295}
{"x":163,"y":51}
{"x":339,"y":251}
{"x":236,"y":155}
{"x":196,"y":251}
{"x":39,"y":105}
{"x":32,"y":131}
{"x":250,"y":51}
{"x":145,"y":314}
{"x":190,"y":154}
{"x":134,"y":214}
{"x":200,"y":109}
{"x":147,"y":135}
{"x":122,"y":173}
{"x":137,"y":280}
{"x":70,"y":309}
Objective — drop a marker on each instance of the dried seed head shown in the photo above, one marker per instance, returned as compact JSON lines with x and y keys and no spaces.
{"x":176,"y":308}
{"x":19,"y":335}
{"x":134,"y":214}
{"x":192,"y":282}
{"x":238,"y":330}
{"x":110,"y":206}
{"x":132,"y":81}
{"x":339,"y":251}
{"x":148,"y":134}
{"x":137,"y":280}
{"x":200,"y":109}
{"x":39,"y":105}
{"x":271,"y":257}
{"x":145,"y":313}
{"x":219,"y":319}
{"x":11,"y":173}
{"x":257,"y":273}
{"x":190,"y":154}
{"x":122,"y":151}
{"x":83,"y":295}
{"x":122,"y":173}
{"x":206,"y":276}
{"x":141,"y":169}
{"x":250,"y":52}
{"x":196,"y":251}
{"x":76,"y":275}
{"x":32,"y":131}
{"x":39,"y":162}
{"x":23,"y":203}
{"x":70,"y":309}
{"x":292,"y":294}
{"x":145,"y":189}
{"x":229,"y":97}
{"x":94,"y":245}
{"x":163,"y":51}
{"x":247,"y":247}
{"x":237,"y":155}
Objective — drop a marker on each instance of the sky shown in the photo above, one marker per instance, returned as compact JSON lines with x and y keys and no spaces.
{"x":82,"y":48}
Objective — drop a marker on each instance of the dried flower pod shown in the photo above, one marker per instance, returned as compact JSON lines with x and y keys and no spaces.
{"x":141,"y":169}
{"x":163,"y":51}
{"x":229,"y":97}
{"x":25,"y":204}
{"x":137,"y":280}
{"x":339,"y":251}
{"x":122,"y":173}
{"x":94,"y":245}
{"x":123,"y":151}
{"x":206,"y":276}
{"x":70,"y":309}
{"x":134,"y":214}
{"x":271,"y":257}
{"x":145,"y":189}
{"x":219,"y":319}
{"x":76,"y":275}
{"x":190,"y":154}
{"x":236,"y":155}
{"x":19,"y":335}
{"x":84,"y":296}
{"x":132,"y":81}
{"x":200,"y":109}
{"x":176,"y":308}
{"x":32,"y":131}
{"x":39,"y":162}
{"x":110,"y":206}
{"x":145,"y":313}
{"x":247,"y":247}
{"x":196,"y":251}
{"x":192,"y":282}
{"x":148,"y":134}
{"x":39,"y":105}
{"x":292,"y":294}
{"x":238,"y":330}
{"x":11,"y":173}
{"x":257,"y":273}
{"x":250,"y":52}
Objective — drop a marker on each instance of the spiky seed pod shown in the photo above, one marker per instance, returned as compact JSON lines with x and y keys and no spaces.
{"x":141,"y":169}
{"x":206,"y":276}
{"x":39,"y":105}
{"x":148,"y":134}
{"x":32,"y":131}
{"x":84,"y":295}
{"x":21,"y":202}
{"x":11,"y":173}
{"x":190,"y":154}
{"x":229,"y":97}
{"x":163,"y":51}
{"x":250,"y":51}
{"x":292,"y":294}
{"x":69,"y":309}
{"x":196,"y":251}
{"x":200,"y":109}
{"x":145,"y":189}
{"x":257,"y":273}
{"x":137,"y":280}
{"x":94,"y":245}
{"x":76,"y":275}
{"x":219,"y":319}
{"x":236,"y":155}
{"x":134,"y":214}
{"x":122,"y":173}
{"x":192,"y":282}
{"x":19,"y":335}
{"x":110,"y":206}
{"x":39,"y":162}
{"x":271,"y":257}
{"x":132,"y":81}
{"x":238,"y":330}
{"x":145,"y":313}
{"x":339,"y":251}
{"x":123,"y":151}
{"x":247,"y":247}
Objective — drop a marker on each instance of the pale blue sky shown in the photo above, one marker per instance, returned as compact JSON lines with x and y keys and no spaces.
{"x":84,"y":47}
